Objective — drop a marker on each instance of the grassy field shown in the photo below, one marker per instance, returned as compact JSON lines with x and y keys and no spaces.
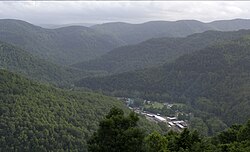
{"x":156,"y":105}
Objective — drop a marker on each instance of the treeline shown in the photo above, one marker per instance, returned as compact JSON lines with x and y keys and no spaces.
{"x":118,"y":132}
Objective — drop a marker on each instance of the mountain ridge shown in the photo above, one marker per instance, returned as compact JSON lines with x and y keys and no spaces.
{"x":20,"y":61}
{"x":136,"y":33}
{"x":155,"y":52}
{"x":73,"y":44}
{"x":62,"y":46}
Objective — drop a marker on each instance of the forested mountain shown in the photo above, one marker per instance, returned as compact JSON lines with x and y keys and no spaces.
{"x":230,"y":25}
{"x":69,"y":45}
{"x":36,"y":117}
{"x":135,"y":33}
{"x":64,"y":46}
{"x":214,"y":80}
{"x":20,"y":61}
{"x":54,"y":26}
{"x":155,"y":52}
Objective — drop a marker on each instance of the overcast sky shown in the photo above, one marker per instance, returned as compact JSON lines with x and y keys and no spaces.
{"x":133,"y":12}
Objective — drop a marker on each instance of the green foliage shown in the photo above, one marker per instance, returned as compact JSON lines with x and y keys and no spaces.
{"x":36,"y":117}
{"x":112,"y":136}
{"x":120,"y":133}
{"x":117,"y":133}
{"x":200,"y":125}
{"x":215,"y":125}
{"x":227,"y":141}
{"x":230,"y":140}
{"x":156,"y":142}
{"x":22,"y":62}
{"x":235,"y":139}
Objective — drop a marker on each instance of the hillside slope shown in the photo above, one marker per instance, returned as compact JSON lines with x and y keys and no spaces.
{"x":156,"y":52}
{"x":64,"y":46}
{"x":38,"y":117}
{"x":219,"y":74}
{"x":20,"y":61}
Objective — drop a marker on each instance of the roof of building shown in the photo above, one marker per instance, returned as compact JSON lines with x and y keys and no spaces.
{"x":160,"y":118}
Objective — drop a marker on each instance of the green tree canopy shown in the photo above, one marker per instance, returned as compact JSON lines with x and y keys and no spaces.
{"x":117,"y":132}
{"x":156,"y":142}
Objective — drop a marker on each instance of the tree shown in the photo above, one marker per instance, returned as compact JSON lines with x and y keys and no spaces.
{"x":184,"y":140}
{"x":117,"y":133}
{"x":156,"y":143}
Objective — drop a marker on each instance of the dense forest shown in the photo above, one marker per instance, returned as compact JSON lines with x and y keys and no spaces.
{"x":64,"y":46}
{"x":214,"y":82}
{"x":39,"y":117}
{"x":156,"y":52}
{"x":22,"y":62}
{"x":117,"y":132}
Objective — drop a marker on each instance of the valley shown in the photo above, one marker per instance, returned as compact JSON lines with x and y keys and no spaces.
{"x":181,"y":83}
{"x":216,"y":75}
{"x":168,"y":114}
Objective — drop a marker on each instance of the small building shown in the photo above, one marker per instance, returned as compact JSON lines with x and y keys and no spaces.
{"x":159,"y":118}
{"x":180,"y":126}
{"x":149,"y":115}
{"x":178,"y":122}
{"x":172,"y":118}
{"x":171,"y":124}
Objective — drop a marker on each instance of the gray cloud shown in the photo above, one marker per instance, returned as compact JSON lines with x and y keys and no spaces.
{"x":60,"y":12}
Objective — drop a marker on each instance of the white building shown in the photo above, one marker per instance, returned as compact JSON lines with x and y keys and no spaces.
{"x":159,"y":118}
{"x":171,"y":118}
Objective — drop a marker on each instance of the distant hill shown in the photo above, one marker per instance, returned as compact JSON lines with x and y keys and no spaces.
{"x":20,"y":61}
{"x":63,"y":46}
{"x":37,"y":117}
{"x":73,"y":44}
{"x":155,"y":52}
{"x":54,"y":26}
{"x":213,"y":80}
{"x":135,"y":33}
{"x":230,"y":25}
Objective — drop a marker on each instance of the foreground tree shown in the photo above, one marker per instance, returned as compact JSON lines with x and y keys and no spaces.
{"x":155,"y":142}
{"x":117,"y":133}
